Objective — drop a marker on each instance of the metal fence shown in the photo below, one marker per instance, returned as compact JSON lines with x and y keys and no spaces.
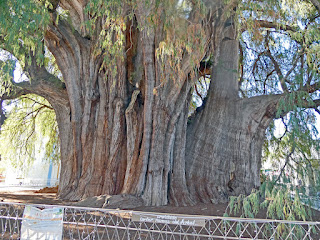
{"x":92,"y":223}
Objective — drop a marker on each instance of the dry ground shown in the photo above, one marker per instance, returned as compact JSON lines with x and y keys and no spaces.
{"x":32,"y":197}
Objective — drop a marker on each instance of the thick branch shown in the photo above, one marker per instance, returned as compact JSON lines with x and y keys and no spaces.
{"x":316,"y":4}
{"x":43,"y":83}
{"x":267,"y":24}
{"x":77,"y":13}
{"x":270,"y":103}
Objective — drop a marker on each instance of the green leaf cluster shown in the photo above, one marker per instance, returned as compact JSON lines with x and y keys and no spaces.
{"x":22,"y":27}
{"x":107,"y":23}
{"x":6,"y":75}
{"x":29,"y":129}
{"x":278,"y":201}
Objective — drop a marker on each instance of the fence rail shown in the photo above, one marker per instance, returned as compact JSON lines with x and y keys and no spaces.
{"x":93,"y":223}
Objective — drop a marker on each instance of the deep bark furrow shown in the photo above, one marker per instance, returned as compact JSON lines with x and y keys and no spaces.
{"x":134,"y":138}
{"x":225,"y":138}
{"x":179,"y":192}
{"x":128,"y":132}
{"x":148,"y":39}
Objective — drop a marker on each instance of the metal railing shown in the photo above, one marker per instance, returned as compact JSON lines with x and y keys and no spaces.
{"x":93,"y":223}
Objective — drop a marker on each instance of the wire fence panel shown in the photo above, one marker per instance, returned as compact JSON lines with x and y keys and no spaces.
{"x":92,"y":223}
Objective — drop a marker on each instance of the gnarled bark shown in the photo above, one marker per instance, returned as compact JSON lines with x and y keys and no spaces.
{"x":127,"y":132}
{"x":224,"y":140}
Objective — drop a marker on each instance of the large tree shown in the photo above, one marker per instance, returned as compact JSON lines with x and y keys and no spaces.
{"x":128,"y":71}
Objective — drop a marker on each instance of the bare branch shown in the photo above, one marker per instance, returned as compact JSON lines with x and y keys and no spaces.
{"x":286,"y":129}
{"x":37,"y":102}
{"x":311,"y":88}
{"x":292,"y":68}
{"x":285,"y":164}
{"x":278,"y":71}
{"x":267,"y":24}
{"x":197,"y":92}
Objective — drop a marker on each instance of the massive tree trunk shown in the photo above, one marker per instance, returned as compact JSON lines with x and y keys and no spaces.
{"x":225,"y":137}
{"x":124,"y":134}
{"x":117,"y":134}
{"x":224,"y":147}
{"x":126,"y":131}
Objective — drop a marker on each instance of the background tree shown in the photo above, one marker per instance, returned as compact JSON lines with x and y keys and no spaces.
{"x":30,"y":121}
{"x":128,"y":73}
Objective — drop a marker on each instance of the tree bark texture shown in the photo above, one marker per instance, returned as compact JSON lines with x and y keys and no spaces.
{"x":130,"y":133}
{"x":225,"y":137}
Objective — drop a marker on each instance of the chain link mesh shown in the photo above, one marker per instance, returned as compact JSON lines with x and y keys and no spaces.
{"x":92,"y":223}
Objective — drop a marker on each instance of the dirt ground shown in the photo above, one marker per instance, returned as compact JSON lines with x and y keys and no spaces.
{"x":32,"y":197}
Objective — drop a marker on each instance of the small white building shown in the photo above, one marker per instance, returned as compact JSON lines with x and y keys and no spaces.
{"x":40,"y":172}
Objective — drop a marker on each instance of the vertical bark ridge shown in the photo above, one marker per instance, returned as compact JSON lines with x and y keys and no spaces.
{"x":223,"y":155}
{"x":66,"y":150}
{"x":148,"y":38}
{"x":101,"y":125}
{"x":68,"y":51}
{"x":86,"y":93}
{"x":179,"y":192}
{"x":225,"y":70}
{"x":134,"y":139}
{"x":127,"y":132}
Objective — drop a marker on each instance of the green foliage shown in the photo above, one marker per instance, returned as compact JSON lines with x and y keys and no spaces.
{"x":293,"y":43}
{"x":22,"y":26}
{"x":295,"y":151}
{"x":108,"y":23}
{"x":6,"y":75}
{"x":281,"y":59}
{"x":29,"y":129}
{"x":278,"y":200}
{"x":181,"y":37}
